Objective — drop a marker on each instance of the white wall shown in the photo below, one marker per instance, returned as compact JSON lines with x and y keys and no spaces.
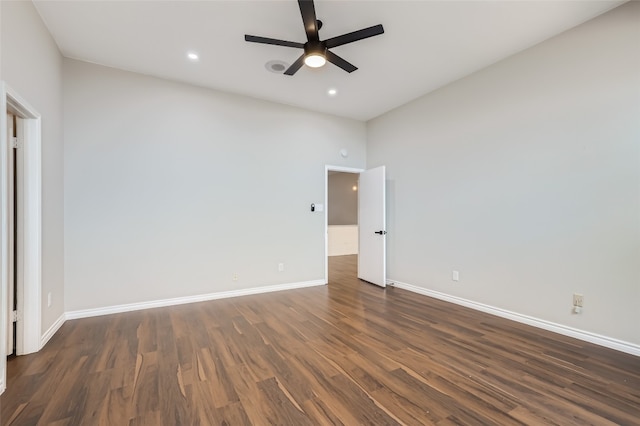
{"x":525,"y":177}
{"x":171,"y":189}
{"x":32,"y":66}
{"x":342,"y":240}
{"x":342,"y":200}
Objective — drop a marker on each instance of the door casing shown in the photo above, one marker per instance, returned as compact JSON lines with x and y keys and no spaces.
{"x":29,"y":336}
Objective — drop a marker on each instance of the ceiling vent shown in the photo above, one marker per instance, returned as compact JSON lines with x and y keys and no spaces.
{"x":277,"y":67}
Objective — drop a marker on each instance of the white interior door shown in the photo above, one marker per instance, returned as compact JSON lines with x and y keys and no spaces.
{"x":11,"y":235}
{"x":372,"y":266}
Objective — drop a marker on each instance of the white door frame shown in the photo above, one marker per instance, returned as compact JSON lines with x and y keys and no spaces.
{"x":29,"y":301}
{"x":327,"y":169}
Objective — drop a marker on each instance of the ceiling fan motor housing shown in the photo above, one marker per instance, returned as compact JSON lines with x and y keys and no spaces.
{"x":315,"y":48}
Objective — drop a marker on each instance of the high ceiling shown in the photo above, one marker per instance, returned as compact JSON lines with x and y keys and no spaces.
{"x":426,"y":45}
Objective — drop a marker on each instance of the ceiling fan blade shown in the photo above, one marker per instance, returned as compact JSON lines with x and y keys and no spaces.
{"x":354,"y":36}
{"x":295,"y":66}
{"x":337,"y":60}
{"x":308,"y":12}
{"x":266,"y":40}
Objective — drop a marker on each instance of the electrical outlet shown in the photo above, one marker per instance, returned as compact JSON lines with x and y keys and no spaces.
{"x":455,"y":275}
{"x":578,"y":300}
{"x":280,"y":267}
{"x":234,"y":276}
{"x":49,"y":299}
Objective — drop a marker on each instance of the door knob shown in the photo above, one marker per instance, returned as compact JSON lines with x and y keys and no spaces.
{"x":380,"y":232}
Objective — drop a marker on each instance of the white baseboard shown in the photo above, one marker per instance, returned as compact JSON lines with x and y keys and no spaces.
{"x":52,"y":330}
{"x":86,"y":313}
{"x":586,"y":336}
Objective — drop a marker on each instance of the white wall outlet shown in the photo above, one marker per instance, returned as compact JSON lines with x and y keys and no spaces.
{"x":234,"y":276}
{"x":578,"y":300}
{"x":455,"y":275}
{"x":280,"y":267}
{"x":49,"y":299}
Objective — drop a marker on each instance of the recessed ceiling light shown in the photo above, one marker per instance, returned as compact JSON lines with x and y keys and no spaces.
{"x":332,"y":92}
{"x":193,"y":56}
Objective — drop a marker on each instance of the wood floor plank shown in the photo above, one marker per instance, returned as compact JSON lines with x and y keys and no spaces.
{"x":348,"y":353}
{"x":319,"y":413}
{"x":231,"y":414}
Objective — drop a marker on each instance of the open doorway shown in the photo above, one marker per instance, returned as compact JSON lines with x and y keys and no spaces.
{"x":341,"y":222}
{"x":370,"y":223}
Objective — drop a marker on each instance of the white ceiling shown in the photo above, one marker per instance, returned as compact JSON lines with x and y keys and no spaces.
{"x":426,"y":45}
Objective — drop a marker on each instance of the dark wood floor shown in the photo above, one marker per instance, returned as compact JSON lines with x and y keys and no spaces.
{"x":347,"y":353}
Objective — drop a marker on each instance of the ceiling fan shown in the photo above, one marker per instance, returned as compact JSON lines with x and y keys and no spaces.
{"x":316,"y":52}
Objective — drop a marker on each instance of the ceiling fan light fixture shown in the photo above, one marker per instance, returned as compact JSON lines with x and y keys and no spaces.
{"x":315,"y":60}
{"x":316,"y":51}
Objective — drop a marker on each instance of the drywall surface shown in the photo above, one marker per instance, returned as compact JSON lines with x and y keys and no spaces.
{"x":342,"y":240}
{"x":171,"y":190}
{"x":1,"y":42}
{"x":32,"y":66}
{"x":342,"y":208}
{"x":525,"y":177}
